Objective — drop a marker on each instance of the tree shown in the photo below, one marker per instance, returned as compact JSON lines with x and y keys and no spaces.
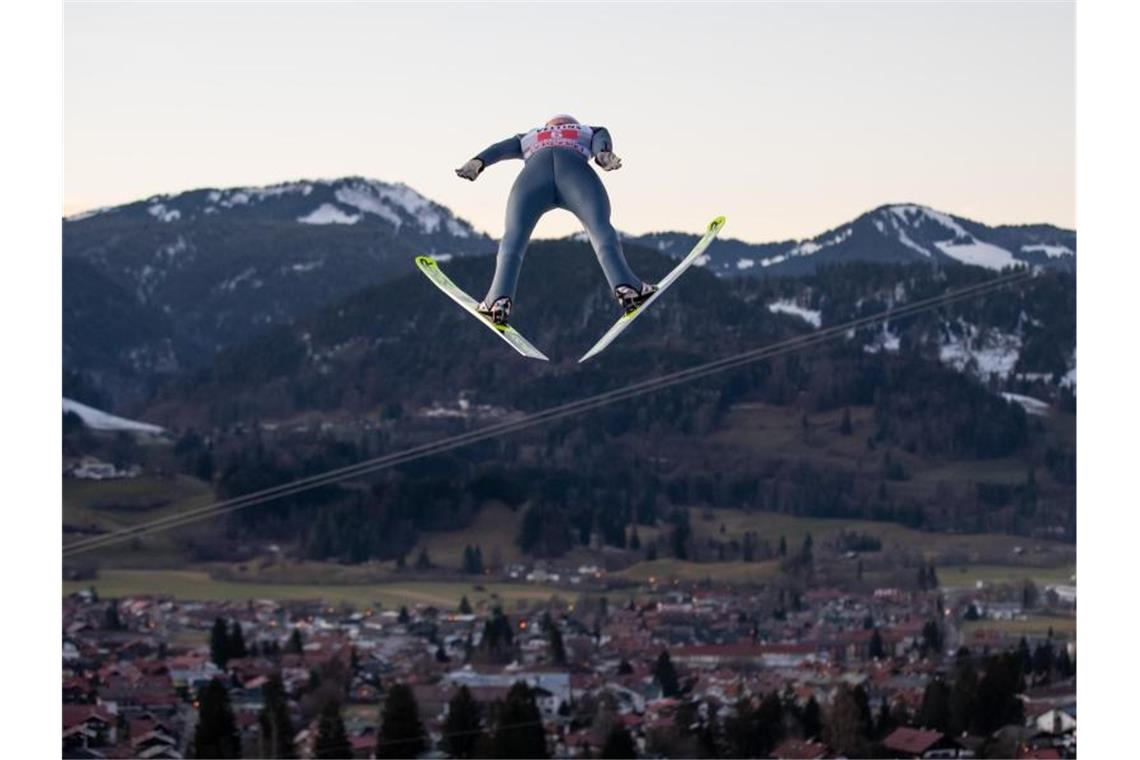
{"x":963,"y":695}
{"x":876,"y":647}
{"x":403,"y":618}
{"x":935,"y":710}
{"x":276,"y":727}
{"x":401,"y":732}
{"x":461,"y":730}
{"x":554,"y":639}
{"x":111,"y":619}
{"x":295,"y":644}
{"x":846,"y":728}
{"x":518,"y":733}
{"x":783,"y":546}
{"x":811,"y":719}
{"x":332,"y":740}
{"x":997,"y":703}
{"x":423,"y":561}
{"x":220,"y":643}
{"x":237,"y":648}
{"x":845,"y":425}
{"x":464,"y":606}
{"x":624,"y":668}
{"x":666,"y":675}
{"x":216,"y":734}
{"x":619,"y":744}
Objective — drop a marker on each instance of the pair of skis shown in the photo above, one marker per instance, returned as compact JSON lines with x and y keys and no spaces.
{"x":431,"y":269}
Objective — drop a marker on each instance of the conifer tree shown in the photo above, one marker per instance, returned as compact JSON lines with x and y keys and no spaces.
{"x":619,"y":743}
{"x":332,"y":740}
{"x":519,"y":732}
{"x":219,"y":643}
{"x":276,"y":727}
{"x":401,"y":732}
{"x":216,"y":734}
{"x":666,"y":675}
{"x":461,"y":730}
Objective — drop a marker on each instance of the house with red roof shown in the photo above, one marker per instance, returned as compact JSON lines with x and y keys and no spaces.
{"x":920,"y":743}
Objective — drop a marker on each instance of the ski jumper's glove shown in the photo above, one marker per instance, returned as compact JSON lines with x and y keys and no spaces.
{"x":470,"y":170}
{"x":607,"y":160}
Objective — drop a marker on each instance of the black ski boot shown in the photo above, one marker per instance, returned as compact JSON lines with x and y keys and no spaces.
{"x":630,"y":298}
{"x":498,"y":312}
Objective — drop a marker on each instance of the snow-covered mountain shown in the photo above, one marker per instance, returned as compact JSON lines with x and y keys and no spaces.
{"x":160,"y":284}
{"x":897,"y":233}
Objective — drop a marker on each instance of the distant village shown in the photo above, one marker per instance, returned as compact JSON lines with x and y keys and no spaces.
{"x":689,"y":671}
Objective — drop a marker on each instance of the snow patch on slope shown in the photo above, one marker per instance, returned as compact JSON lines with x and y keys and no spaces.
{"x":994,"y":353}
{"x":163,"y":214}
{"x":1031,"y":405}
{"x":1052,"y":251}
{"x":97,"y":419}
{"x":787,"y":306}
{"x":327,"y":213}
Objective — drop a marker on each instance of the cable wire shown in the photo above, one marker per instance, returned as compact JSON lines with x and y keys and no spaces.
{"x":580,"y":406}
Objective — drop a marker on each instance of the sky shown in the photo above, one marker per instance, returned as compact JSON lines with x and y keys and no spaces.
{"x":788,"y":118}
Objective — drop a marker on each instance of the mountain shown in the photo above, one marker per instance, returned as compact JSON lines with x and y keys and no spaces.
{"x":394,"y":345}
{"x":159,"y":285}
{"x":899,"y":233}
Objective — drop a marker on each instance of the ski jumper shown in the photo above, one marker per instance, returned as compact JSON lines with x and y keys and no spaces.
{"x":556,"y":174}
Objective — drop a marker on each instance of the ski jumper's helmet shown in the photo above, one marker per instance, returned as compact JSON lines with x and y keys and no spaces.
{"x":560,"y":119}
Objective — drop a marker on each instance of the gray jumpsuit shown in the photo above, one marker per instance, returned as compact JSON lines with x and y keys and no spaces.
{"x":555,"y":177}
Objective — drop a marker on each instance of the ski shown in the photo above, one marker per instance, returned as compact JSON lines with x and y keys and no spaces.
{"x":431,"y":269}
{"x":625,"y":320}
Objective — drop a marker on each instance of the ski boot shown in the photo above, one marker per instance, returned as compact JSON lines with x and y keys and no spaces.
{"x":630,"y":298}
{"x":498,"y":312}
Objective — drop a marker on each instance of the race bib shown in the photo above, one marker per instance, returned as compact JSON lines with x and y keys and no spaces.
{"x":576,"y":137}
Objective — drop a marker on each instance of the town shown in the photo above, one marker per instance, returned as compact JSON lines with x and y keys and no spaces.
{"x":664,"y":669}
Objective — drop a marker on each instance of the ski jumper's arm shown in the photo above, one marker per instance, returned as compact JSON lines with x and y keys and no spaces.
{"x":601,"y":142}
{"x":501,"y":151}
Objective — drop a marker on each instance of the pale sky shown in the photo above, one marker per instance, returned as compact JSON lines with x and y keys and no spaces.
{"x":787,"y":118}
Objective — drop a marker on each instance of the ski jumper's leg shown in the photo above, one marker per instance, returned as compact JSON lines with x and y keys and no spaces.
{"x":582,"y":193}
{"x":532,"y":195}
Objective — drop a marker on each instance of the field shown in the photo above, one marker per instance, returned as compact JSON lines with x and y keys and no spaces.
{"x":968,"y":576}
{"x":724,"y":572}
{"x":110,"y":505}
{"x":197,"y":585}
{"x":1032,"y":625}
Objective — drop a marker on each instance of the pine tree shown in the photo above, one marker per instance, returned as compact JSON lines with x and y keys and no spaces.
{"x":401,"y":732}
{"x":619,"y":744}
{"x":295,"y":644}
{"x":464,"y":606}
{"x":935,"y":710}
{"x":963,"y":695}
{"x":423,"y":561}
{"x":666,"y":675}
{"x":876,"y":648}
{"x":219,"y":643}
{"x":276,"y":728}
{"x":332,"y":740}
{"x":461,"y":730}
{"x":216,"y":734}
{"x":403,"y":618}
{"x":811,"y":719}
{"x":236,"y":642}
{"x":846,"y":729}
{"x":783,"y":546}
{"x":554,"y":639}
{"x":111,"y":619}
{"x":519,"y":732}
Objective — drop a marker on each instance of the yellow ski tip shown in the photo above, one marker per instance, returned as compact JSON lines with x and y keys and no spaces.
{"x":716,"y":224}
{"x":425,"y":261}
